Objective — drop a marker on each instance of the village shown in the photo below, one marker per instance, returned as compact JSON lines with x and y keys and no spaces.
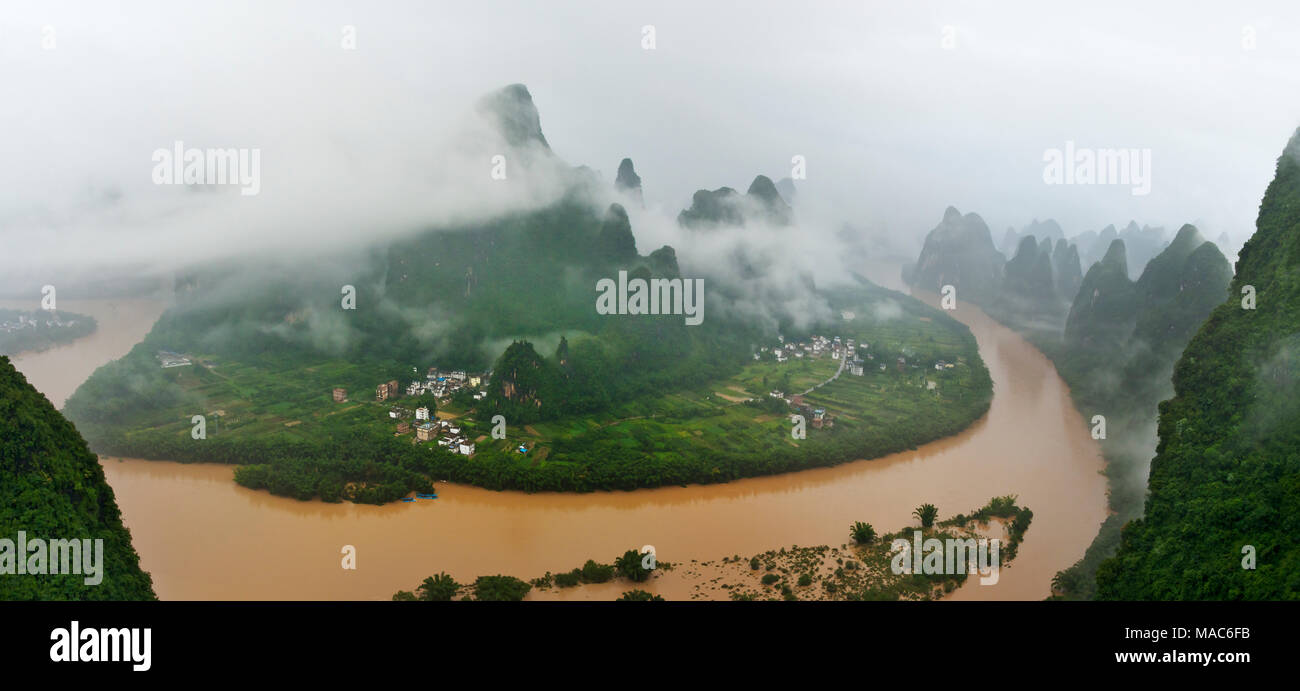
{"x":447,"y":433}
{"x":846,"y":351}
{"x":167,"y":358}
{"x":25,"y":322}
{"x":34,"y":330}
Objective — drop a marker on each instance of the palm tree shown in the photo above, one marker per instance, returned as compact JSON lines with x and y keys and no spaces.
{"x":926,"y":513}
{"x":440,"y":588}
{"x":862,"y":533}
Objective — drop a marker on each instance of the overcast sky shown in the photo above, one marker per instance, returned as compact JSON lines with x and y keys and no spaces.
{"x":899,"y":108}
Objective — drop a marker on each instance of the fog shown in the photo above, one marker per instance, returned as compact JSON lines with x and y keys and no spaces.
{"x":898,"y":109}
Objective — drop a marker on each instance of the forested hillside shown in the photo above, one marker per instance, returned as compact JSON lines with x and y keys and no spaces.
{"x":52,"y":488}
{"x":1225,"y":482}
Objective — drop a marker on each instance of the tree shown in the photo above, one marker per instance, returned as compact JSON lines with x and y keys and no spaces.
{"x":926,"y":513}
{"x":500,"y":589}
{"x":595,"y":572}
{"x":629,"y":566}
{"x":440,"y":588}
{"x":639,"y":596}
{"x":862,"y":533}
{"x":424,"y":400}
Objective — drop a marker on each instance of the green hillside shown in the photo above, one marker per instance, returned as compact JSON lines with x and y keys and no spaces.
{"x":1226,"y":475}
{"x":52,"y":488}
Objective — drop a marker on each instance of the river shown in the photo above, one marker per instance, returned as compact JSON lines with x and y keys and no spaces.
{"x":58,"y":371}
{"x":202,"y":537}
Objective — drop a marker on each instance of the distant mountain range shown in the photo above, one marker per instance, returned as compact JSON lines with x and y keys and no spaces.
{"x":1113,"y":339}
{"x":1141,"y":243}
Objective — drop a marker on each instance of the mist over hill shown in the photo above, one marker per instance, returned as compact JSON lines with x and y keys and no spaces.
{"x":959,"y":252}
{"x":515,"y":295}
{"x":452,"y":290}
{"x":1113,"y":339}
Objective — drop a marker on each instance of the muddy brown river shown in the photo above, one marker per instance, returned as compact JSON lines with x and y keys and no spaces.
{"x":203,"y":537}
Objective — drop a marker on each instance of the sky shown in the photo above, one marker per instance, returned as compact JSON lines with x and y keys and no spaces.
{"x":899,"y":109}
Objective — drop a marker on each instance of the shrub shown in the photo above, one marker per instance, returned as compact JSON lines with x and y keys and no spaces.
{"x":639,"y":596}
{"x":500,"y":589}
{"x":594,"y":572}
